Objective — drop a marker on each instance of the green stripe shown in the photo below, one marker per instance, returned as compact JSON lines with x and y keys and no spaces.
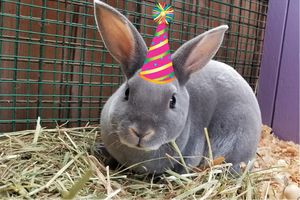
{"x":157,"y":57}
{"x":160,"y":32}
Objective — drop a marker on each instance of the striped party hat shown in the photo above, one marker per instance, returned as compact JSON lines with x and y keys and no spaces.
{"x":158,"y":67}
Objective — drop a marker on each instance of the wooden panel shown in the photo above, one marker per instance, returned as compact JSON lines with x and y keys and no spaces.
{"x":274,"y":36}
{"x":286,"y":112}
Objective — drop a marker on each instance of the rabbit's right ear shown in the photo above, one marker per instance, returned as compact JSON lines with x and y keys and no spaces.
{"x":120,"y":37}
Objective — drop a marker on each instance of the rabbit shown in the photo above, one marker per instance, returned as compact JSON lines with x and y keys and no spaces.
{"x":141,"y":119}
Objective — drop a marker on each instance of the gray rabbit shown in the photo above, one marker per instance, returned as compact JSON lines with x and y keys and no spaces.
{"x":140,"y":119}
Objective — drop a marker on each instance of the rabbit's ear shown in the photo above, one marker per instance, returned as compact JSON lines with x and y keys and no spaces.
{"x":196,"y":53}
{"x":120,"y":37}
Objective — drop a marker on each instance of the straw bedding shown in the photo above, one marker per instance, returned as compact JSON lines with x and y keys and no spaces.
{"x":58,"y":163}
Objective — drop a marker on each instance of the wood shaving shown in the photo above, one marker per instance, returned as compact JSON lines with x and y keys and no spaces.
{"x":275,"y":152}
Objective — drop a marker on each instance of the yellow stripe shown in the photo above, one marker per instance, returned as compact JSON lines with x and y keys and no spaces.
{"x":158,"y":45}
{"x":155,"y":81}
{"x":156,"y":69}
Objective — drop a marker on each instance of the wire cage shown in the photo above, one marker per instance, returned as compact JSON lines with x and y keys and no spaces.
{"x":53,"y":63}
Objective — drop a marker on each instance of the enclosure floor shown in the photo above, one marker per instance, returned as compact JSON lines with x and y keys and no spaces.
{"x":273,"y":151}
{"x":45,"y":163}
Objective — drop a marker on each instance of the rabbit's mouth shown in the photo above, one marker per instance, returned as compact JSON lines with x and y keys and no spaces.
{"x":138,"y":146}
{"x":144,"y":142}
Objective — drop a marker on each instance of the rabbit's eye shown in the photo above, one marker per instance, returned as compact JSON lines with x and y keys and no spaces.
{"x":126,"y":94}
{"x":172,"y":102}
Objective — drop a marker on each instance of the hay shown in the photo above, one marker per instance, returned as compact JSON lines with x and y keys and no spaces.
{"x":56,"y":163}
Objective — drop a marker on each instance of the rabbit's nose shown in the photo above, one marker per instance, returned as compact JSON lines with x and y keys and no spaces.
{"x":140,"y":134}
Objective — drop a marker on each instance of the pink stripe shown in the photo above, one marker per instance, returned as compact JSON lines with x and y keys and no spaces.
{"x":159,"y":39}
{"x":160,"y":27}
{"x":160,"y":73}
{"x":159,"y":62}
{"x":147,"y":66}
{"x":158,"y":51}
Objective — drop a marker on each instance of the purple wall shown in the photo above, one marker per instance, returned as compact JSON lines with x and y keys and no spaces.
{"x":278,"y":92}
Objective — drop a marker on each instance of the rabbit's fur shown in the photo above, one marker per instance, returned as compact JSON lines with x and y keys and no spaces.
{"x":138,"y":125}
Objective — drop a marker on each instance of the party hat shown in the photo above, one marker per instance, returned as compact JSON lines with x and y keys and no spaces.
{"x":158,"y":66}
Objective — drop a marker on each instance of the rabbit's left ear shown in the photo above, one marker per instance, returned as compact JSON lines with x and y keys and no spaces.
{"x":196,"y":53}
{"x":120,"y":37}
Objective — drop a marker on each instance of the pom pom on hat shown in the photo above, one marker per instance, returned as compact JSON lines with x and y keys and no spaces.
{"x":163,"y":12}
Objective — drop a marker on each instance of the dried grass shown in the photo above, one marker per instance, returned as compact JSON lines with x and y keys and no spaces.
{"x":56,"y":163}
